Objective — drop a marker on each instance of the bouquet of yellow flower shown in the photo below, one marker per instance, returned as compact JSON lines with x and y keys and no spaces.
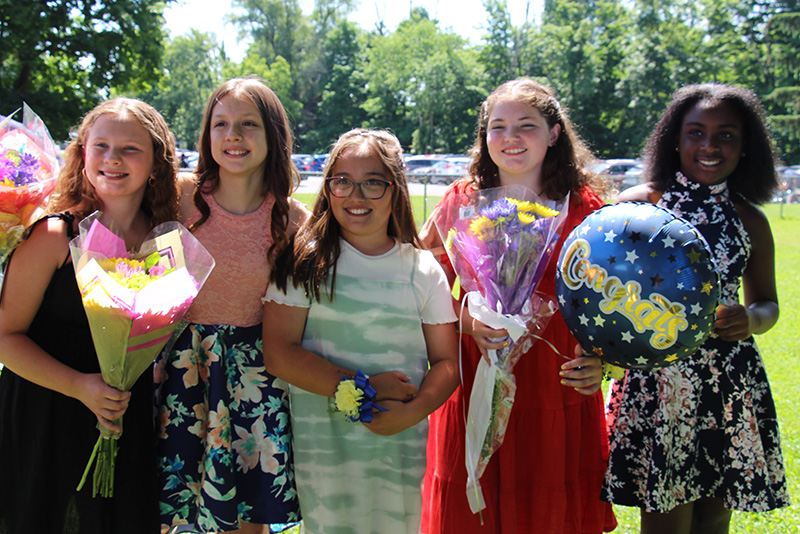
{"x":29,"y":166}
{"x":500,"y":241}
{"x":134,"y":304}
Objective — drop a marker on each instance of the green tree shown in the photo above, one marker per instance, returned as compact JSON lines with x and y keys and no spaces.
{"x":276,"y":26}
{"x":277,"y":76}
{"x":280,"y":29}
{"x":424,"y":85}
{"x":665,"y":53}
{"x":192,"y":68}
{"x":497,"y":54}
{"x":784,"y":39}
{"x":340,"y":107}
{"x":62,"y":56}
{"x":578,"y":50}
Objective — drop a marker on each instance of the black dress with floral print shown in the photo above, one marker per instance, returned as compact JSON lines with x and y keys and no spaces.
{"x":706,"y":426}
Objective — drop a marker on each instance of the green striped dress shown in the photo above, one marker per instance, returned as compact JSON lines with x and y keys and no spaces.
{"x":350,"y":480}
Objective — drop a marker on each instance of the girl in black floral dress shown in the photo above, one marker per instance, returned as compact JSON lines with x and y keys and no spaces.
{"x":691,"y":442}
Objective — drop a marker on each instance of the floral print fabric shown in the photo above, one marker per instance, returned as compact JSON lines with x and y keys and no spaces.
{"x":706,"y":426}
{"x":224,"y":432}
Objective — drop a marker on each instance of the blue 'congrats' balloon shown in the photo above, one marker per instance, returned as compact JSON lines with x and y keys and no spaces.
{"x":637,"y":285}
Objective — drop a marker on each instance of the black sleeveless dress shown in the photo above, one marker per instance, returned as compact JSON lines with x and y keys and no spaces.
{"x":706,"y":426}
{"x":46,"y":438}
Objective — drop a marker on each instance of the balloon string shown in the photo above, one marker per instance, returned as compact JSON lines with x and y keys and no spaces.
{"x":539,"y":338}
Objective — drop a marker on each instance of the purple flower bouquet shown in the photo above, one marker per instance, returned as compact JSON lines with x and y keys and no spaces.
{"x":29,"y":166}
{"x":500,"y":245}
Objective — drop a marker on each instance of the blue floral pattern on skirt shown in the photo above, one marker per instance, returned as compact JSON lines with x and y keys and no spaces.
{"x":224,"y":432}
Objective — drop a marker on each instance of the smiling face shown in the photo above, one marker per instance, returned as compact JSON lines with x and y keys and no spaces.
{"x":710,"y":142}
{"x":364,"y":222}
{"x":518,"y":136}
{"x":118,"y":157}
{"x":238,"y":138}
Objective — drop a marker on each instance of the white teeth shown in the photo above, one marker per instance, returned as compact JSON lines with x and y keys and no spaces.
{"x":236,"y":152}
{"x":709,"y":162}
{"x":113,"y":174}
{"x":358,"y":211}
{"x":514,"y":151}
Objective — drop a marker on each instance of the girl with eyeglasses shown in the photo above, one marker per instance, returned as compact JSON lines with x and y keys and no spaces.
{"x":358,"y":320}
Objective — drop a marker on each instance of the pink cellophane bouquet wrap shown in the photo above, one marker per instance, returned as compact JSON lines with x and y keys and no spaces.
{"x":134,"y":303}
{"x":499,"y":241}
{"x":29,"y":166}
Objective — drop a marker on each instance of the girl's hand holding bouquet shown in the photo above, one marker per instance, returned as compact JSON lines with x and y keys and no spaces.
{"x":499,"y":242}
{"x":134,"y":303}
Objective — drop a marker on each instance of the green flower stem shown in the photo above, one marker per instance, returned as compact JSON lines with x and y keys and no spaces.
{"x":103,"y":457}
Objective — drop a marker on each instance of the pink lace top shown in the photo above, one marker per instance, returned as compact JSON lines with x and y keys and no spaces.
{"x":239,"y":244}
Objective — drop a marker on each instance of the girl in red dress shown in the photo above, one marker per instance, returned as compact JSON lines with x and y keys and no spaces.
{"x":547,"y":475}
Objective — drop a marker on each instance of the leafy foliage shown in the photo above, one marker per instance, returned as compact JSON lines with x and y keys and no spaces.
{"x":62,"y":56}
{"x":784,"y":39}
{"x":614,"y":65}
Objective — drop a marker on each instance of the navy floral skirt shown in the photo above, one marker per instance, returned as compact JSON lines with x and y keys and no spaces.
{"x":224,"y":436}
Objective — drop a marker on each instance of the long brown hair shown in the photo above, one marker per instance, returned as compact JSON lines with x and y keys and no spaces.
{"x":280,"y":175}
{"x":74,"y":192}
{"x":316,"y":250}
{"x":564,"y":166}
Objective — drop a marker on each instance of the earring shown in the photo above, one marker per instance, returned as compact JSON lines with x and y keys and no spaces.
{"x":744,"y":154}
{"x":83,"y":172}
{"x":151,"y":181}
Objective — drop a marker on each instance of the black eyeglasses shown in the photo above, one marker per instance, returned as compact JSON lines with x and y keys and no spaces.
{"x":373,"y":189}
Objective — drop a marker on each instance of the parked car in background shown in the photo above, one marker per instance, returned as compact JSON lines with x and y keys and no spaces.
{"x":317,"y":162}
{"x":300,"y":161}
{"x":449,"y":170}
{"x":614,"y":167}
{"x":436,"y":169}
{"x":420,"y":164}
{"x":623,"y":173}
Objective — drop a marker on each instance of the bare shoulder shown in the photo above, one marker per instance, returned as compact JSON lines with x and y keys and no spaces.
{"x":754,"y":220}
{"x":29,"y":274}
{"x":187,"y":183}
{"x":298,"y":214}
{"x":50,"y":234}
{"x":44,"y":250}
{"x":298,"y":208}
{"x":639,"y":193}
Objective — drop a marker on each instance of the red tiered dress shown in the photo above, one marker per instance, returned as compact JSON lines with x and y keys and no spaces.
{"x":547,"y":475}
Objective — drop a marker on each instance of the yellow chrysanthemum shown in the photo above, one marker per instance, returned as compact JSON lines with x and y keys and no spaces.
{"x":482,"y":227}
{"x":533,"y":207}
{"x":348,"y":398}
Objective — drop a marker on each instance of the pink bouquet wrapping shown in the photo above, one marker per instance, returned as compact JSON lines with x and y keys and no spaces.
{"x":29,"y":166}
{"x":499,"y":241}
{"x":134,"y":304}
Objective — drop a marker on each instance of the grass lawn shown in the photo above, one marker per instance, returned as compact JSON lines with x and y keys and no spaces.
{"x":780,"y":348}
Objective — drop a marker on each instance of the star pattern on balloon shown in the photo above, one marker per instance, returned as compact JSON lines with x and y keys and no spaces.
{"x":650,"y":310}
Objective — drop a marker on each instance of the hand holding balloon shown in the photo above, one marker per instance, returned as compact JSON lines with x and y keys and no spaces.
{"x":637,"y":286}
{"x":733,"y":323}
{"x":584,"y":373}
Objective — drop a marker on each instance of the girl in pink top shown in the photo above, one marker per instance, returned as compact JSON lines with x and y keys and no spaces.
{"x":223,"y":421}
